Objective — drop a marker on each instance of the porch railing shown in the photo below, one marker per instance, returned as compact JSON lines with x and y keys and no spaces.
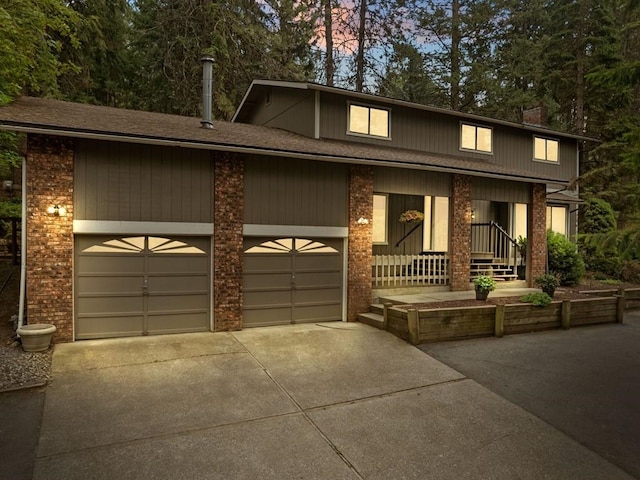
{"x":492,"y":238}
{"x":407,"y":270}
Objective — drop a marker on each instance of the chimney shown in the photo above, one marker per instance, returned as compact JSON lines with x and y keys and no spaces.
{"x":535,"y":116}
{"x":207,"y":81}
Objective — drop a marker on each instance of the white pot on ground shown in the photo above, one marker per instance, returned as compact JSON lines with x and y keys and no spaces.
{"x":36,"y":337}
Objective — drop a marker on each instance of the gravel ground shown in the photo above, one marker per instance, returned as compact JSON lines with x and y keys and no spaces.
{"x":20,"y":369}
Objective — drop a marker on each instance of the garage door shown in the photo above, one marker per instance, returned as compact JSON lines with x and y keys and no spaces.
{"x":141,"y":285}
{"x":292,"y":280}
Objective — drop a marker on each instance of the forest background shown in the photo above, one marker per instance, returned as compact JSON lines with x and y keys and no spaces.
{"x":578,"y":59}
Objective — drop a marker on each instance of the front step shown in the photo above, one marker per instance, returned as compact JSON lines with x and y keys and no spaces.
{"x":372,"y":319}
{"x":484,"y":263}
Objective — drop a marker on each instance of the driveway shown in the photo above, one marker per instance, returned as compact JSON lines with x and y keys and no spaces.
{"x":585,"y":381}
{"x":323,"y":401}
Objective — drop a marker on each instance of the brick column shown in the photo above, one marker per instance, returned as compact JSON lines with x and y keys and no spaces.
{"x":228,"y":217}
{"x":537,"y":233}
{"x":49,"y":242}
{"x":460,"y":234}
{"x":360,"y":241}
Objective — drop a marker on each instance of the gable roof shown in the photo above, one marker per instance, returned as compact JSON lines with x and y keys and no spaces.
{"x":257,"y":87}
{"x":54,"y":117}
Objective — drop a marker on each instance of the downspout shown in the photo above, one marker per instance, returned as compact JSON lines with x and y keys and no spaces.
{"x":23,"y":242}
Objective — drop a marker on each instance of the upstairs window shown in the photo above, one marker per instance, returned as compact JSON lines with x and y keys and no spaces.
{"x":369,"y":121}
{"x":474,"y":137}
{"x":545,"y":149}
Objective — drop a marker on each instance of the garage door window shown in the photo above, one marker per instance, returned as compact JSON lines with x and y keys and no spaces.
{"x":137,"y":245}
{"x":289,"y":245}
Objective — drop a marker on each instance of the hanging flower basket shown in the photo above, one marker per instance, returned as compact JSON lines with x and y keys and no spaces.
{"x":411,"y":216}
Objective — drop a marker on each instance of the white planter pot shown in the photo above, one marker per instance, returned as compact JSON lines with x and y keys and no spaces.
{"x":36,"y":337}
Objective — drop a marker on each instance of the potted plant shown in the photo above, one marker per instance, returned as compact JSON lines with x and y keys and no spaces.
{"x":547,"y":283}
{"x":483,"y":284}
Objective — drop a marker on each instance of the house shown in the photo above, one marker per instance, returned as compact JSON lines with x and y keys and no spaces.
{"x":143,"y":223}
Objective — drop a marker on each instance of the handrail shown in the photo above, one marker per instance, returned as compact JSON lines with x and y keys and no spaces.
{"x":497,"y":240}
{"x":407,"y":235}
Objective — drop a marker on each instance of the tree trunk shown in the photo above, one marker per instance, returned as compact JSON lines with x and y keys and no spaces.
{"x":455,"y":54}
{"x":360,"y":56}
{"x":329,"y":66}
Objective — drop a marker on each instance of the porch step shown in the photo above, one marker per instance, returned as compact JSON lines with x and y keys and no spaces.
{"x":372,"y":319}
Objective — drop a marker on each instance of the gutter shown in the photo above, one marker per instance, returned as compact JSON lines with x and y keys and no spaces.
{"x":203,"y":145}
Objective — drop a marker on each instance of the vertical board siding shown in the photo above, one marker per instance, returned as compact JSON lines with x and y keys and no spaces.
{"x":144,"y":183}
{"x":291,"y":110}
{"x":439,"y":133}
{"x":500,"y":190}
{"x":411,"y":182}
{"x":295,"y":192}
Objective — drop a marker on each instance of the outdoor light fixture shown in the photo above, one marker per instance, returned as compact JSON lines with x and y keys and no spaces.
{"x":473,"y":214}
{"x":56,"y":210}
{"x":363,"y":221}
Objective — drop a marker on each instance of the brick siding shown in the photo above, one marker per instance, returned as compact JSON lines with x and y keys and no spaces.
{"x":228,"y":218}
{"x":460,"y":235}
{"x":360,"y":241}
{"x":537,"y":236}
{"x":49,"y":245}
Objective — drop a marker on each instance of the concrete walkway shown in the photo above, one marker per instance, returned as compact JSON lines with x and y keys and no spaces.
{"x":326,"y":401}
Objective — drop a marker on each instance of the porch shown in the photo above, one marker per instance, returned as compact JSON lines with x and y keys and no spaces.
{"x":493,"y":252}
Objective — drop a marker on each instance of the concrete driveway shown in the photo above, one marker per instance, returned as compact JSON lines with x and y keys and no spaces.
{"x":585,"y":381}
{"x":326,"y":401}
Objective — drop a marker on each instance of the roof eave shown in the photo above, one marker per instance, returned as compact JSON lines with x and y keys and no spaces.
{"x":204,"y":145}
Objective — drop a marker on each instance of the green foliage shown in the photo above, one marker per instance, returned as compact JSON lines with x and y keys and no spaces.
{"x":10,"y":208}
{"x":564,"y":259}
{"x":547,"y":281}
{"x":631,"y":271}
{"x":598,"y":218}
{"x":537,"y":299}
{"x":485,"y":283}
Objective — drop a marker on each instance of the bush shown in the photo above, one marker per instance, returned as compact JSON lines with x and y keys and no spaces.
{"x":599,"y":256}
{"x":538,"y":299}
{"x":631,"y":271}
{"x":564,"y":259}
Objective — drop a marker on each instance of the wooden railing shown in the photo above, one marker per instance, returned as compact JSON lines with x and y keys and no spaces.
{"x":492,"y":238}
{"x":405,"y":270}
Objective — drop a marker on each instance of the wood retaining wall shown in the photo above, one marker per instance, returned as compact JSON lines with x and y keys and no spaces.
{"x":431,"y":325}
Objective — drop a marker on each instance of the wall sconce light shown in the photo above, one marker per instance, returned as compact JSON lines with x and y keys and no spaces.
{"x":56,"y":211}
{"x":473,"y":214}
{"x":362,"y":221}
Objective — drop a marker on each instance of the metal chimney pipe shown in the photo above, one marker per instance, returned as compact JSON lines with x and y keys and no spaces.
{"x":207,"y":85}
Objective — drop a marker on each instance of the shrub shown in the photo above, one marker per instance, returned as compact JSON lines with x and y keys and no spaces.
{"x":484,"y":282}
{"x":598,"y":219}
{"x":564,"y":259}
{"x":538,"y":299}
{"x":631,"y":271}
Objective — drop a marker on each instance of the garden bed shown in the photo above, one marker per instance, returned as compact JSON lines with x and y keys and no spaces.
{"x":504,"y":315}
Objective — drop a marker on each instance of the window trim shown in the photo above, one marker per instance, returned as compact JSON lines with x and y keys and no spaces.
{"x":476,"y":126}
{"x":386,"y":219}
{"x":369,"y":107}
{"x":544,"y":160}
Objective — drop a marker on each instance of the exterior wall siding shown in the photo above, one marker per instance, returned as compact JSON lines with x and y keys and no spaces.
{"x":460,"y":233}
{"x":537,"y":238}
{"x":500,"y":190}
{"x":360,"y":237}
{"x":49,"y":245}
{"x":134,"y":182}
{"x":438,"y":133}
{"x":295,"y":192}
{"x":228,"y":242}
{"x":291,"y":110}
{"x":411,"y":182}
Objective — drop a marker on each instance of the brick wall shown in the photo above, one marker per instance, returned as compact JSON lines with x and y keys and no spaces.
{"x":537,"y":233}
{"x":360,"y":241}
{"x":460,"y":234}
{"x":49,"y":244}
{"x":227,"y":237}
